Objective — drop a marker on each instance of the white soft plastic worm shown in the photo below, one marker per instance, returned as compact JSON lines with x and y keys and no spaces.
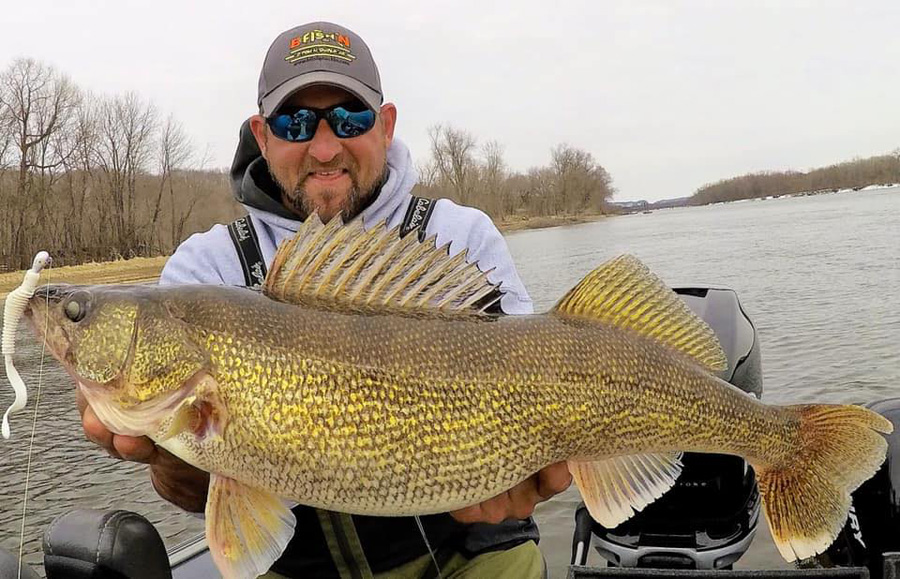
{"x":12,"y":313}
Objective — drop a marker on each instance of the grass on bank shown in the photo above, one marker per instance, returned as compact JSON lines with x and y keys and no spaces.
{"x":147,"y":269}
{"x":137,"y":270}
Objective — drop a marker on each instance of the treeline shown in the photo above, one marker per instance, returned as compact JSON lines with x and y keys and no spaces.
{"x":95,"y":178}
{"x":458,"y":168}
{"x":883,"y":169}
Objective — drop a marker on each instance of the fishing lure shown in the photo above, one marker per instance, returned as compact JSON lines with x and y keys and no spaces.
{"x":12,"y":313}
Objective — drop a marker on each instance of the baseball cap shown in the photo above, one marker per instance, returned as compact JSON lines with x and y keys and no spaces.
{"x":318,"y":53}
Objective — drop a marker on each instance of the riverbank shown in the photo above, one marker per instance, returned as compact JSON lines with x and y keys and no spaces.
{"x":826,"y":191}
{"x":519,"y":224}
{"x":147,"y":269}
{"x":136,"y":270}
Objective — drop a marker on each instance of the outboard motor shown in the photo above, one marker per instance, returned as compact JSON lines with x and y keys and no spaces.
{"x":708,"y":519}
{"x":873,"y":527}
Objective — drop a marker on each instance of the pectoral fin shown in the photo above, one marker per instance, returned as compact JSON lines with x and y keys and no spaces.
{"x":615,"y":488}
{"x":247,"y":528}
{"x":184,"y":418}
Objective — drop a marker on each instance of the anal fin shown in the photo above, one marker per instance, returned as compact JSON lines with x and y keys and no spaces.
{"x":615,"y":488}
{"x":247,"y":528}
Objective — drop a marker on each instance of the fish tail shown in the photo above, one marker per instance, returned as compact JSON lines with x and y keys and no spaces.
{"x":806,"y":500}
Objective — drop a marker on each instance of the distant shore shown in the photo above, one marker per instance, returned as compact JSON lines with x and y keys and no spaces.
{"x":519,"y":224}
{"x":810,"y":193}
{"x":147,"y":269}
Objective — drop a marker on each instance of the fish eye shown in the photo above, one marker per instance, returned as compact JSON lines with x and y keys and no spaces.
{"x":76,"y":308}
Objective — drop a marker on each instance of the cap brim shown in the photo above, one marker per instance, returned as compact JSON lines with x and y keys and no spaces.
{"x":276,"y":97}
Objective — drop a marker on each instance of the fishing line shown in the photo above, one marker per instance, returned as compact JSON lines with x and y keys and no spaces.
{"x":16,"y":302}
{"x":434,"y":560}
{"x":37,"y":404}
{"x":428,"y":545}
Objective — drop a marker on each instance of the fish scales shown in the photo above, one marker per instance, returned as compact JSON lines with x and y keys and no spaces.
{"x":378,"y":415}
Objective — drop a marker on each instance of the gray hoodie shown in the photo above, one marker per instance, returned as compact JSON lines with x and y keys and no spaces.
{"x":211,"y":258}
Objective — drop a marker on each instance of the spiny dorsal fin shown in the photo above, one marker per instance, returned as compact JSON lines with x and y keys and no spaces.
{"x":623,"y":292}
{"x":344,"y":266}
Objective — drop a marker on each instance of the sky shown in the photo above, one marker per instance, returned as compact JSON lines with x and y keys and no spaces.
{"x":667,"y":96}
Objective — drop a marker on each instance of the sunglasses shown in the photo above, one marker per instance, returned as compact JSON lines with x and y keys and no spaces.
{"x":299,"y":125}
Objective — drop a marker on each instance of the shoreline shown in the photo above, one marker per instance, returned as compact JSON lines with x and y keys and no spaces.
{"x":826,"y":191}
{"x":545,"y":222}
{"x":147,"y":269}
{"x":134,"y":270}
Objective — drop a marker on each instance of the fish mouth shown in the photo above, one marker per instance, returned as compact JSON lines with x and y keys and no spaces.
{"x":53,"y":292}
{"x":41,"y":311}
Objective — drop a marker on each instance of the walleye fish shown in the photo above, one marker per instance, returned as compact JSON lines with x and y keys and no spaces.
{"x":361,"y":380}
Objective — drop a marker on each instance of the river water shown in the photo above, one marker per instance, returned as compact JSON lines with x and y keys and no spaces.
{"x":819,"y":276}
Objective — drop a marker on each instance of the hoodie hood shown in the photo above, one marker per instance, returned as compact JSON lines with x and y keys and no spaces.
{"x":254,"y":188}
{"x":251,"y":183}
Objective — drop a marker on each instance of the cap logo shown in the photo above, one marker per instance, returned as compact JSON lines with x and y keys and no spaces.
{"x":320,"y":44}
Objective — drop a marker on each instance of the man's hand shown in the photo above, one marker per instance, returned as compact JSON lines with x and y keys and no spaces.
{"x":175,"y":480}
{"x":519,"y":501}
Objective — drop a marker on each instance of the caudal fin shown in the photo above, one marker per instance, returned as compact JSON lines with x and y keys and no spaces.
{"x":806,"y":502}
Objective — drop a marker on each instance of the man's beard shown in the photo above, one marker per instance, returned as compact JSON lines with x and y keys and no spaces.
{"x":358,"y":197}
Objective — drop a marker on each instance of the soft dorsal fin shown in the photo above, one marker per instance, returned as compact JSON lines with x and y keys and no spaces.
{"x":339,"y":266}
{"x":623,"y":292}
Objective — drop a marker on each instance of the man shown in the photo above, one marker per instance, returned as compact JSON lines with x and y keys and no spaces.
{"x":324,"y":142}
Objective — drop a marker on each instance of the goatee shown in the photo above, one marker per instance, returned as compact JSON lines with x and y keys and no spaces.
{"x":357,"y":198}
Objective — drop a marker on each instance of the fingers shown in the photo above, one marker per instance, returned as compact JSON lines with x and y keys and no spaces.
{"x":94,"y":429}
{"x":553,"y":479}
{"x":174,"y":480}
{"x":137,"y":449}
{"x":178,"y":482}
{"x":516,"y":503}
{"x":490,"y":511}
{"x":497,"y":509}
{"x":519,"y":501}
{"x":523,"y":498}
{"x":467,"y":515}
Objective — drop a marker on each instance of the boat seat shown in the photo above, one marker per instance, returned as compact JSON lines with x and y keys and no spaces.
{"x":97,"y":544}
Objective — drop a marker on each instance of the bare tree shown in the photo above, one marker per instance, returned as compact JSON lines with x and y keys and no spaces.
{"x":429,"y":176}
{"x":37,"y":104}
{"x":580,"y":183}
{"x":124,"y":150}
{"x":540,"y":194}
{"x":174,"y":153}
{"x":93,"y":178}
{"x":453,"y":152}
{"x":493,"y":180}
{"x":6,"y":137}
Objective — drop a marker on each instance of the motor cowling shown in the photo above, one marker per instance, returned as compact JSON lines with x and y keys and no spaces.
{"x":873,"y":525}
{"x":708,"y":519}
